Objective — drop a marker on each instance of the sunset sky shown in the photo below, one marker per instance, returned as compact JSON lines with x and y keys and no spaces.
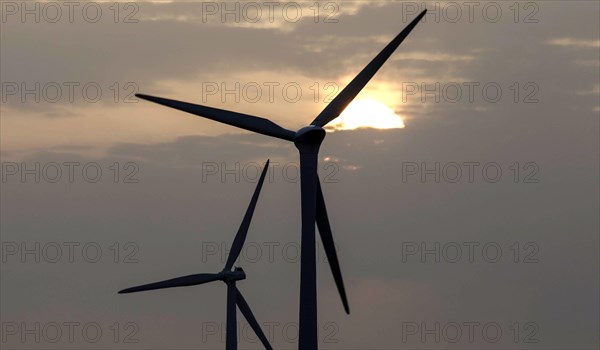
{"x":481,"y":130}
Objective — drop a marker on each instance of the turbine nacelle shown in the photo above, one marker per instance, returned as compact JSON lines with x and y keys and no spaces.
{"x":231,"y":276}
{"x":309,"y":138}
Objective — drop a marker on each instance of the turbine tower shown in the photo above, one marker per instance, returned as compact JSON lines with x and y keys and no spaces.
{"x":308,"y":140}
{"x":227,"y":275}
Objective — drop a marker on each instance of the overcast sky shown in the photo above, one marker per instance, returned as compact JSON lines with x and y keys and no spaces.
{"x":475,"y":226}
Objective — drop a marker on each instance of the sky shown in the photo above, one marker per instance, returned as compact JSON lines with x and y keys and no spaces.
{"x":461,"y":185}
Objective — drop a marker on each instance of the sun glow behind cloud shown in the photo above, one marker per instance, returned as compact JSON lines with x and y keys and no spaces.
{"x":367,"y":113}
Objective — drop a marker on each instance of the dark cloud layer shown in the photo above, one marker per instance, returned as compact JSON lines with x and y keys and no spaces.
{"x":172,"y":215}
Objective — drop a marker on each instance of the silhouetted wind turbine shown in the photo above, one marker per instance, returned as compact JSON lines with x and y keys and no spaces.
{"x":308,"y":140}
{"x":234,"y":296}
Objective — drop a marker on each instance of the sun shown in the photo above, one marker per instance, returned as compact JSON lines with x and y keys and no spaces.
{"x":367,"y":113}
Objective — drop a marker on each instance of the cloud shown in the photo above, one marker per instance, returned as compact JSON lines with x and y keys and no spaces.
{"x":577,"y":43}
{"x":594,"y":91}
{"x":434,"y":57}
{"x":171,"y":212}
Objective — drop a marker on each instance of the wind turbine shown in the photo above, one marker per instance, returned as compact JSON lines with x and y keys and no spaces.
{"x":308,"y":140}
{"x":227,"y":275}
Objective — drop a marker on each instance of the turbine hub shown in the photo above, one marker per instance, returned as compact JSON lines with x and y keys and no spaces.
{"x":309,"y":138}
{"x":232,"y":276}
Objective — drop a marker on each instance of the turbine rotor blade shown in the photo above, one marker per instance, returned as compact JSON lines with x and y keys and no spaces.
{"x":240,"y":120}
{"x":231,"y":340}
{"x":190,"y":280}
{"x":240,"y":237}
{"x":329,"y":246}
{"x":339,"y":103}
{"x":245,"y":309}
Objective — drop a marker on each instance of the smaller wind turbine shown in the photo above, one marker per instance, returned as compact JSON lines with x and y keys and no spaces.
{"x":234,"y":296}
